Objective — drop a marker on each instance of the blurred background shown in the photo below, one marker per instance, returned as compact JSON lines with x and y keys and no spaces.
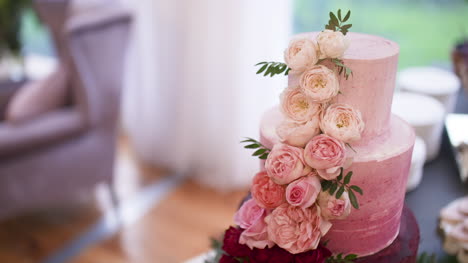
{"x":120,"y":120}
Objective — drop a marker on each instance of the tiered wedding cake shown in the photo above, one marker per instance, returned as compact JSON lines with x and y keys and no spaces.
{"x":383,"y":154}
{"x":335,"y":161}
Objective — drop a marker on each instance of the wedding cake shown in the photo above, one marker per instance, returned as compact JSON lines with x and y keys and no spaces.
{"x":335,"y":161}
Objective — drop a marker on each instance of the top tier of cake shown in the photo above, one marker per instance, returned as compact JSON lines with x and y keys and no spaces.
{"x":373,"y":61}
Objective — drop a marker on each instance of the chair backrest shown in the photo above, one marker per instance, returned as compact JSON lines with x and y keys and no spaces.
{"x":98,"y":42}
{"x":54,"y":13}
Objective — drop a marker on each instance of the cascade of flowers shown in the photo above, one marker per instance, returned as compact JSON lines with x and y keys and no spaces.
{"x":303,"y":186}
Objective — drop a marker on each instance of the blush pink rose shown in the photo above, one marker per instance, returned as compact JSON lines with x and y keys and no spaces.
{"x":333,"y":208}
{"x":297,"y":106}
{"x":297,"y":134}
{"x":304,"y":191}
{"x":325,"y":152}
{"x":319,"y":83}
{"x":332,"y":44}
{"x":251,"y":217}
{"x":343,"y":122}
{"x":296,"y":229}
{"x":267,"y":193}
{"x":286,"y":163}
{"x":301,"y":54}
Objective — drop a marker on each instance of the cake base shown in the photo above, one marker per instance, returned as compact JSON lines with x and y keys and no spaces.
{"x":405,"y":247}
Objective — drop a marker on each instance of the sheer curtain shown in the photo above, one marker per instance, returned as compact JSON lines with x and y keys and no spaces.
{"x":192,"y":93}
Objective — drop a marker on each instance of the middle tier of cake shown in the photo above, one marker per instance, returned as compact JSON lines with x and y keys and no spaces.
{"x":380,"y":168}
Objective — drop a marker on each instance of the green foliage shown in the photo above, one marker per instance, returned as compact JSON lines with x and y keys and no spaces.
{"x":336,"y":22}
{"x":342,"y":68}
{"x":340,"y":258}
{"x":426,"y":258}
{"x":10,"y":24}
{"x":338,"y":186}
{"x":216,"y":245}
{"x":272,"y":68}
{"x":262,"y":151}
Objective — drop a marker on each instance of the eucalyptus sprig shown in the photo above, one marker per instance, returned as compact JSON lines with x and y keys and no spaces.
{"x":336,"y":22}
{"x":262,"y":151}
{"x":341,"y":184}
{"x":342,"y":68}
{"x":340,"y":258}
{"x":272,"y":68}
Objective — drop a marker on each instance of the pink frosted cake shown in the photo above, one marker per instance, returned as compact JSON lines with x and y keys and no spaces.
{"x":335,"y":161}
{"x":383,"y":154}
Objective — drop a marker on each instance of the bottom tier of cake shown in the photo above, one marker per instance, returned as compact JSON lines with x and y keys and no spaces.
{"x":381,"y":165}
{"x":405,"y":247}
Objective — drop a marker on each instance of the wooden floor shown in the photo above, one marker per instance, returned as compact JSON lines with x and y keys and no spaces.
{"x":174,"y":229}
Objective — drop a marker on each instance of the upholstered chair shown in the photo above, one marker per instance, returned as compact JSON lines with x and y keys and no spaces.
{"x":60,"y":155}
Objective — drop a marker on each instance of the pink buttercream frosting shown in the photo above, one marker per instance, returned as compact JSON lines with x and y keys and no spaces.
{"x":370,"y":89}
{"x":380,"y":168}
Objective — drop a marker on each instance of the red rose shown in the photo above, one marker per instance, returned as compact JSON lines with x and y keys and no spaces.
{"x":318,"y":255}
{"x":271,"y":255}
{"x":231,"y":243}
{"x":228,"y":259}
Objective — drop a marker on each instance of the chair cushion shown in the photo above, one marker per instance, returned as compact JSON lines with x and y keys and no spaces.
{"x":38,"y":97}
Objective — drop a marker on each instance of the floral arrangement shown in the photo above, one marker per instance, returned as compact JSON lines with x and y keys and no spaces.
{"x":303,"y":185}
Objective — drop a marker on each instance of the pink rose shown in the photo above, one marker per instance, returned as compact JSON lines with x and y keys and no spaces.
{"x":296,"y":134}
{"x":319,"y":83}
{"x":301,"y":54}
{"x":332,"y":44}
{"x":268,"y":194}
{"x":297,"y":106}
{"x":285,"y":163}
{"x":251,"y":217}
{"x":304,"y":191}
{"x":343,"y":122}
{"x":333,"y":208}
{"x":325,"y":152}
{"x":296,"y":229}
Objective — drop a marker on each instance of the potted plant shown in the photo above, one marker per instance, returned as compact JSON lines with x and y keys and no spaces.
{"x":11,"y":60}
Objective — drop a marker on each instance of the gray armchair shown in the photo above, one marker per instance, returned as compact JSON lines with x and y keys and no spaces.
{"x":53,"y":158}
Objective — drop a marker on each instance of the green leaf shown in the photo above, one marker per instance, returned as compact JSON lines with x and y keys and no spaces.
{"x":340,"y":192}
{"x":348,"y":26}
{"x":356,"y":188}
{"x":259,"y":152}
{"x":339,"y":14}
{"x":252,"y":146}
{"x":339,"y":177}
{"x":353,"y":200}
{"x":334,"y":20}
{"x":351,"y":257}
{"x":260,"y":63}
{"x":333,"y":188}
{"x":326,"y":185}
{"x":269,"y":69}
{"x":263,"y":156}
{"x":262,"y":69}
{"x":347,"y":178}
{"x":347,"y":16}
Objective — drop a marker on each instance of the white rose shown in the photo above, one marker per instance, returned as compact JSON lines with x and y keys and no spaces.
{"x":333,"y":208}
{"x":301,"y":54}
{"x":342,"y":122}
{"x":319,"y":83}
{"x":297,"y":134}
{"x":332,"y":44}
{"x":297,"y":106}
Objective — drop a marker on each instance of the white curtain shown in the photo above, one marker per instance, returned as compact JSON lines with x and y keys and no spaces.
{"x":192,"y":93}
